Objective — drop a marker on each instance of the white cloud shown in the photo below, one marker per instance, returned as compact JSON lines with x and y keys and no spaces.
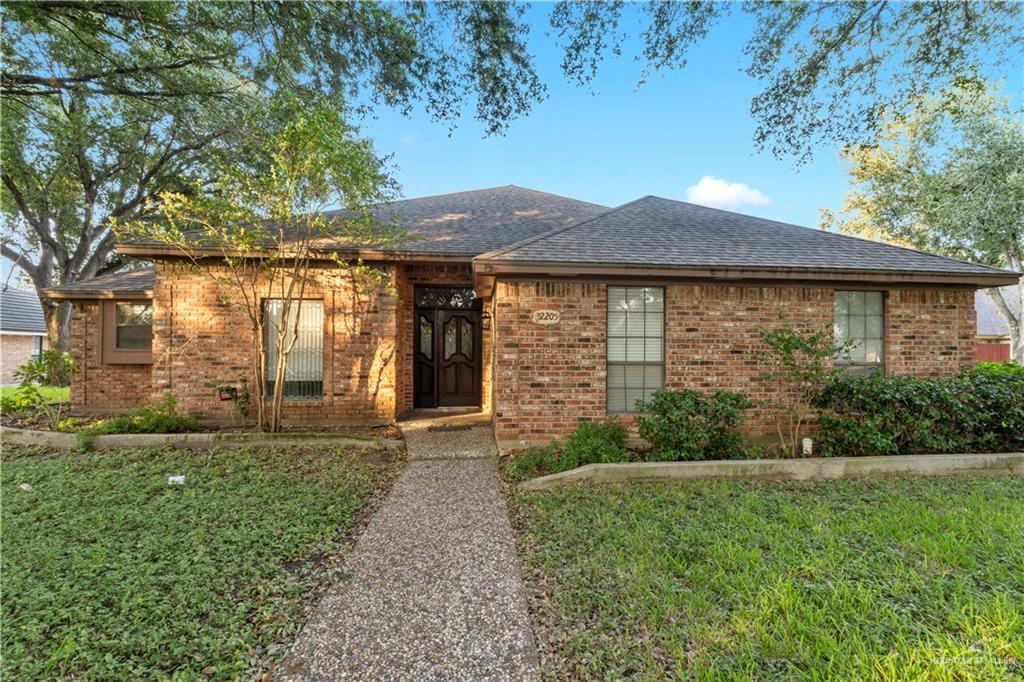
{"x":410,"y":139}
{"x":719,"y":193}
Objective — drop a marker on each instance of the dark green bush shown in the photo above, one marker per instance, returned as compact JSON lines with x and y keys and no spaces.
{"x":161,"y":417}
{"x":977,"y":411}
{"x":997,"y":369}
{"x":685,"y":425}
{"x":590,"y":443}
{"x":593,"y":442}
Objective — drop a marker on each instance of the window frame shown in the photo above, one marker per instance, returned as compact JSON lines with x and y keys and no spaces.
{"x":881,"y":365}
{"x":112,"y":355}
{"x":610,"y":363}
{"x":268,"y":394}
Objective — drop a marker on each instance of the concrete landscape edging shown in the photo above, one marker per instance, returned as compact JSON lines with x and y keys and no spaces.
{"x":810,"y":469}
{"x":192,"y":441}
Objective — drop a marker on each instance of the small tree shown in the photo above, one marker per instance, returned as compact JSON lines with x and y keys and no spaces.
{"x":801,"y":361}
{"x":264,"y":227}
{"x":947,"y":176}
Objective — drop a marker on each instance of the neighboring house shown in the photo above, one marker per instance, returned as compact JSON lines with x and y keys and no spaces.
{"x":22,"y":331}
{"x":993,"y":338}
{"x":540,"y":310}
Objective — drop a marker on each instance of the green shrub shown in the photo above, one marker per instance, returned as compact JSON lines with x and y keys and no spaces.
{"x":593,"y":442}
{"x":855,"y":436}
{"x":535,"y":461}
{"x":51,"y":368}
{"x":997,"y":369}
{"x":589,"y":443}
{"x":977,"y":411}
{"x":161,"y":417}
{"x":684,"y":425}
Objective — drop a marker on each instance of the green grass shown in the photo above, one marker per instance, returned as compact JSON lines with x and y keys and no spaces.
{"x":53,"y":394}
{"x":111,"y":573}
{"x":885,"y":580}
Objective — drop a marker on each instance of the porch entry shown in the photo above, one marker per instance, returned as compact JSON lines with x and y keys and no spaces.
{"x":446,"y":347}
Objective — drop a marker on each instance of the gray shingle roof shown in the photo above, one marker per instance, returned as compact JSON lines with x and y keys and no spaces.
{"x":136,"y":282}
{"x":474,"y":222}
{"x":458,"y":224}
{"x":653,"y":231}
{"x":20,"y":311}
{"x":990,"y":322}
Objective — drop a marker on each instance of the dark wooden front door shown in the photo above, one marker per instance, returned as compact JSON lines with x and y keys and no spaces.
{"x":446,"y":347}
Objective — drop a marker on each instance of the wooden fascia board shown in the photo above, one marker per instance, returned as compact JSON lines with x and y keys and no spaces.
{"x":105,"y":294}
{"x":598,"y":271}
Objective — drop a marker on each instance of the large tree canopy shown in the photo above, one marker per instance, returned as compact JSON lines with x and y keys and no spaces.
{"x":947,"y":176}
{"x":827,"y":69}
{"x":107,"y":106}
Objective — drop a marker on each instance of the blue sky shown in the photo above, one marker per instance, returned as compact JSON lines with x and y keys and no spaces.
{"x":625,"y":142}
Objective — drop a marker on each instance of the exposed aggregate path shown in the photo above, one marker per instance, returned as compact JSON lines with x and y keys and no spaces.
{"x":435,"y":591}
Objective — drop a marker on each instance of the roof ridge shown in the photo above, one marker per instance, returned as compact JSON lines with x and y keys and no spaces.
{"x":557,"y":196}
{"x":119,"y":273}
{"x":835,"y":234}
{"x":393,"y":202}
{"x":558,"y":230}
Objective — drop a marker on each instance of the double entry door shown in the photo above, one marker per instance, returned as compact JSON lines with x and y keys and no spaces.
{"x":446,"y":347}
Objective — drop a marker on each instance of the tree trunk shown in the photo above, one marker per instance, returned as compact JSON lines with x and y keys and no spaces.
{"x":57,"y":315}
{"x":1012,"y":313}
{"x":1017,"y":331}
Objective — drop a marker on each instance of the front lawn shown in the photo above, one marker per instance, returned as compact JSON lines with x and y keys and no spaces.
{"x":52,"y":394}
{"x":889,"y":580}
{"x":109,"y":572}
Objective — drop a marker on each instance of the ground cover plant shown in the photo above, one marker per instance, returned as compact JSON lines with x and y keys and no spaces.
{"x":159,"y":417}
{"x":589,"y":443}
{"x":110,"y":572}
{"x":881,"y":580}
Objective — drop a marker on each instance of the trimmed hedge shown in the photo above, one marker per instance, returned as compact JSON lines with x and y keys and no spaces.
{"x":981,"y":410}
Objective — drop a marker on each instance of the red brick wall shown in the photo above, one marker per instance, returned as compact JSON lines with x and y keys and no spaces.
{"x":202,"y":339}
{"x":929,"y":332}
{"x":97,"y":387}
{"x":548,"y":378}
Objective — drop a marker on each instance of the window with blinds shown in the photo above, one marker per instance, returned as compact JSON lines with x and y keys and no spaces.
{"x":304,"y":373}
{"x":636,"y":340}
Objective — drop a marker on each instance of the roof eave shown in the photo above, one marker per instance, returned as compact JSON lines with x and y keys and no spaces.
{"x":487,"y":270}
{"x":94,"y":294}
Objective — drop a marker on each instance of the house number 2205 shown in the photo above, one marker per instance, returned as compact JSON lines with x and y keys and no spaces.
{"x":546,"y":317}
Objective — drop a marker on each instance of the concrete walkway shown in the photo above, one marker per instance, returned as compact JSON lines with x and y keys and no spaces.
{"x":435,"y":591}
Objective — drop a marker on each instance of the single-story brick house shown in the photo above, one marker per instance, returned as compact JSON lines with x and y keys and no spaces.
{"x":22,"y":331}
{"x":539,"y":310}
